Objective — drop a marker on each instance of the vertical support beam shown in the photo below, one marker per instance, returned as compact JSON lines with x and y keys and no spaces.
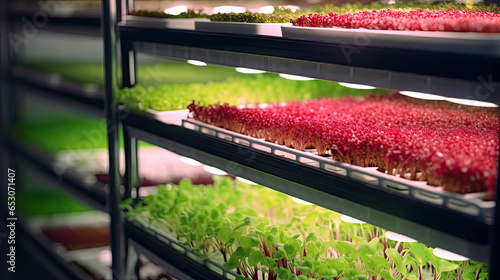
{"x":127,"y":6}
{"x":4,"y":123}
{"x":118,"y":241}
{"x":128,"y":64}
{"x":494,"y":265}
{"x":132,"y":182}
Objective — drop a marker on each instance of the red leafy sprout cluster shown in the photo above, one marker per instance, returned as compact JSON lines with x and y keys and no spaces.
{"x":450,"y":20}
{"x":445,"y":144}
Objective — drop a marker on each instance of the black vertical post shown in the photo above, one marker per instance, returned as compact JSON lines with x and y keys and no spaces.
{"x":128,"y":58}
{"x":131,"y":163}
{"x":128,"y":64}
{"x":494,"y":265}
{"x":131,"y":176}
{"x":131,"y":182}
{"x":118,"y":241}
{"x":4,"y":124}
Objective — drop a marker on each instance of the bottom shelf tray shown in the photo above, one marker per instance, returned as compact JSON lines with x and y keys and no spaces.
{"x":81,"y":185}
{"x":45,"y":253}
{"x":179,"y":261}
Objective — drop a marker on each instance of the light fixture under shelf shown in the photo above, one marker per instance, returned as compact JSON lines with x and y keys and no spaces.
{"x":421,"y":95}
{"x":264,"y":10}
{"x":351,"y":220}
{"x":300,"y":201}
{"x":448,"y":255}
{"x":295,"y":77}
{"x":196,"y":62}
{"x":228,"y":9}
{"x":356,"y":86}
{"x":470,"y":102}
{"x":214,"y":170}
{"x":398,"y":237}
{"x":191,"y":161}
{"x":176,"y":10}
{"x":248,"y":70}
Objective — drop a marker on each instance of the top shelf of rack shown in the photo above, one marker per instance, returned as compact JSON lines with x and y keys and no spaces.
{"x":29,"y":18}
{"x":469,"y":75}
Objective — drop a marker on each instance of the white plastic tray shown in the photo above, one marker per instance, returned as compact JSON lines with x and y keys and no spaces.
{"x":170,"y":117}
{"x":268,"y":29}
{"x":454,"y":42}
{"x":173,"y":23}
{"x":470,"y":204}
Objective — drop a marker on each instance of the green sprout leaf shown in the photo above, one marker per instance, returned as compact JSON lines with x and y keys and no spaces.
{"x":224,"y":234}
{"x":245,"y":242}
{"x":386,"y":274}
{"x":346,"y":248}
{"x":311,"y":219}
{"x":364,"y":249}
{"x":255,"y":257}
{"x":443,"y":265}
{"x":397,"y":259}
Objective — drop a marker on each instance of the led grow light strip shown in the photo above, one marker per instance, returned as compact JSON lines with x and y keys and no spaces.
{"x":228,"y":9}
{"x":356,"y":86}
{"x":176,"y":10}
{"x":469,"y":102}
{"x":350,"y":220}
{"x":300,"y":201}
{"x":448,"y":255}
{"x":295,"y":77}
{"x":214,"y":170}
{"x":248,"y":70}
{"x":398,"y":237}
{"x":421,"y":95}
{"x":196,"y":62}
{"x":190,"y":161}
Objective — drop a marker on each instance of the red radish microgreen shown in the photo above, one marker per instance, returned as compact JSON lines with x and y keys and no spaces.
{"x":448,"y":145}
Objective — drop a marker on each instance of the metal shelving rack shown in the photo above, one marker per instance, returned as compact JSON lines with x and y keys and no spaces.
{"x":86,"y":98}
{"x":448,"y":74}
{"x":80,"y":97}
{"x":452,"y":75}
{"x":92,"y":193}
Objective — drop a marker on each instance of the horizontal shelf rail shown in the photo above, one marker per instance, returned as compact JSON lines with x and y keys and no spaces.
{"x":176,"y":259}
{"x":86,"y":97}
{"x":454,"y":75}
{"x":92,"y":193}
{"x":55,"y":17}
{"x":42,"y":249}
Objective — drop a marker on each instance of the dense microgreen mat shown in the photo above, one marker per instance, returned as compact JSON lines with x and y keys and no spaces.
{"x":263,"y":234}
{"x":284,"y":15}
{"x":249,"y":89}
{"x":47,"y":201}
{"x":63,"y":134}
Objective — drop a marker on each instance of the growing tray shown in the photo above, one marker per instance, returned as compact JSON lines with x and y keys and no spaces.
{"x":470,"y":204}
{"x":268,"y":29}
{"x":172,"y":23}
{"x":448,"y":42}
{"x":185,"y":251}
{"x":170,"y":117}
